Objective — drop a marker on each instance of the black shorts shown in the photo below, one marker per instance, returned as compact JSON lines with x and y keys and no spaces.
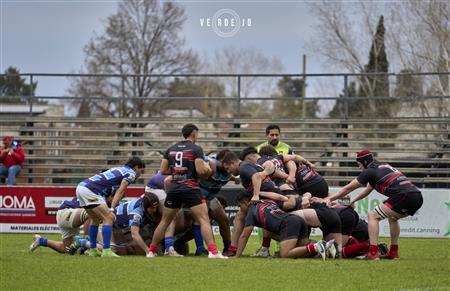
{"x":319,"y":189}
{"x":293,"y":227}
{"x":361,"y":231}
{"x":331,"y":223}
{"x":187,"y":198}
{"x":407,"y":203}
{"x":349,"y":219}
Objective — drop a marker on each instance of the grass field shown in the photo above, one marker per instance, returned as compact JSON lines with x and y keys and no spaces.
{"x":425,"y":265}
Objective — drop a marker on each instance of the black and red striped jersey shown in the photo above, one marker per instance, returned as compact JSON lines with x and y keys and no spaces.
{"x":386,"y":180}
{"x":246,"y":172}
{"x":265,"y":214}
{"x":278,"y":161}
{"x":306,"y":176}
{"x":181,"y":157}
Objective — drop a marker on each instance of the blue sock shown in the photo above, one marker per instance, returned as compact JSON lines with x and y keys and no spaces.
{"x":106,"y":233}
{"x":93,"y":232}
{"x":198,"y":238}
{"x":226,"y":245}
{"x":168,"y":242}
{"x":43,"y":241}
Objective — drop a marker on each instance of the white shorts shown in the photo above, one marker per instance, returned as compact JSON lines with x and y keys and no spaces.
{"x":64,"y":218}
{"x":158,"y":192}
{"x":87,"y":197}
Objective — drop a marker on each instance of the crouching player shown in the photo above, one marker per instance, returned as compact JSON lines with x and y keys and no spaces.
{"x":404,"y":199}
{"x":291,"y":229}
{"x":70,"y":217}
{"x":138,"y":217}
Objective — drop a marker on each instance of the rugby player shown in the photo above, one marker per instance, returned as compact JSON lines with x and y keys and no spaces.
{"x":291,"y":229}
{"x":138,"y":217}
{"x":70,"y":217}
{"x":184,"y":161}
{"x":92,"y":192}
{"x":404,"y":199}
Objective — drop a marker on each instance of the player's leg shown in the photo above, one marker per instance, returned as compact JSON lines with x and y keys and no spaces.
{"x":169,"y":235}
{"x":167,"y":217}
{"x":39,"y":241}
{"x":397,"y":207}
{"x":293,"y":233}
{"x":101,"y":213}
{"x":200,"y":213}
{"x":238,"y":226}
{"x":218,"y":214}
{"x":89,"y":200}
{"x":394,"y":228}
{"x":263,"y":251}
{"x":374,"y":218}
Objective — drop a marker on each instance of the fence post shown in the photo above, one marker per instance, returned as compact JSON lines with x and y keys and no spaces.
{"x":31,"y":124}
{"x":304,"y":89}
{"x":345,"y":125}
{"x":238,"y":125}
{"x":345,"y":96}
{"x":30,"y":96}
{"x":239,"y":96}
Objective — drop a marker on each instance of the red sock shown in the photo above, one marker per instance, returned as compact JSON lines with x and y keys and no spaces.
{"x":311,"y":250}
{"x":266,"y":242}
{"x":373,"y":251}
{"x":351,"y":251}
{"x":153,"y":248}
{"x":393,"y":251}
{"x":232,"y":248}
{"x":213,"y":248}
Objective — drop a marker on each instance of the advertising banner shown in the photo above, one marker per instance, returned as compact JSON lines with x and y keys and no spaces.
{"x":33,"y":209}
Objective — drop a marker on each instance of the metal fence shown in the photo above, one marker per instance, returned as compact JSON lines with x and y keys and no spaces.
{"x":242,"y":89}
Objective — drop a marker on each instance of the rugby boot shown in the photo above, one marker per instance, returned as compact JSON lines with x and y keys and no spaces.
{"x":216,"y":256}
{"x":108,"y":253}
{"x":332,"y":249}
{"x":95,"y":253}
{"x":368,"y":257}
{"x":262,"y":252}
{"x":35,"y":243}
{"x":321,"y":249}
{"x":171,"y":252}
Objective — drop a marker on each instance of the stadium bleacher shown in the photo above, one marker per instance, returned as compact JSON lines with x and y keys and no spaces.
{"x":65,"y":150}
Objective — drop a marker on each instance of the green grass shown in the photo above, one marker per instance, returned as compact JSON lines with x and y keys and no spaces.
{"x":424,"y":266}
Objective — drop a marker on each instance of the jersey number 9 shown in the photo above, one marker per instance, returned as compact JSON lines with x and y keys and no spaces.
{"x":179,"y":159}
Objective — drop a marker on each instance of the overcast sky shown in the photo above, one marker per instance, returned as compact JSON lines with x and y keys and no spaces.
{"x":48,"y":36}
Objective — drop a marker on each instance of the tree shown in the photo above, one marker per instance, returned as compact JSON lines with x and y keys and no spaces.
{"x":143,"y":37}
{"x":369,"y":85}
{"x":197,"y":87}
{"x":289,"y":108}
{"x":376,"y":85}
{"x":343,"y":36}
{"x":13,"y":88}
{"x":234,"y":60}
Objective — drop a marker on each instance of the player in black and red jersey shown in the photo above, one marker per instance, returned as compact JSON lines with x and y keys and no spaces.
{"x":254,"y":178}
{"x":404,"y":199}
{"x":291,"y":229}
{"x":184,"y":161}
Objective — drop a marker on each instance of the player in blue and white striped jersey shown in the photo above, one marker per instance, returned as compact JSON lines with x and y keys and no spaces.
{"x":92,"y":193}
{"x":139,"y":217}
